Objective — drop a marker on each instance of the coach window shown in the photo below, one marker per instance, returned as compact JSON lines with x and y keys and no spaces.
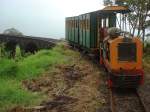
{"x":70,"y":23}
{"x":76,"y":23}
{"x":100,"y":24}
{"x":85,"y":24}
{"x":81,"y":23}
{"x":107,"y":22}
{"x":102,"y":21}
{"x":73,"y":23}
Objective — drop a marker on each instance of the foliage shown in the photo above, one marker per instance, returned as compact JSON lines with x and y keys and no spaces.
{"x":18,"y":54}
{"x":2,"y":50}
{"x":5,"y":53}
{"x":147,"y":48}
{"x":119,"y":2}
{"x":138,"y":18}
{"x":8,"y":67}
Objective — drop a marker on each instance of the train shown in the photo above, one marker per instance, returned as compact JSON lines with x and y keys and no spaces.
{"x":104,"y":34}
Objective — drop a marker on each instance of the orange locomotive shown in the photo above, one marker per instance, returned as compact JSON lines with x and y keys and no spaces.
{"x":118,"y":51}
{"x":122,"y":58}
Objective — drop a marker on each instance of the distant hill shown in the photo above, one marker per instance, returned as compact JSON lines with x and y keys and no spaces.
{"x":12,"y":31}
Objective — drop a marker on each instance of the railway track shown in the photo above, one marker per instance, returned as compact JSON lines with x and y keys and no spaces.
{"x":126,"y":101}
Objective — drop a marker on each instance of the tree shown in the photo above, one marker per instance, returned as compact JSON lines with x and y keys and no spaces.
{"x":139,"y":18}
{"x":12,"y":31}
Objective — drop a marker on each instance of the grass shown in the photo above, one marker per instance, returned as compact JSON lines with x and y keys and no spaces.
{"x":12,"y":73}
{"x":12,"y":94}
{"x":8,"y":67}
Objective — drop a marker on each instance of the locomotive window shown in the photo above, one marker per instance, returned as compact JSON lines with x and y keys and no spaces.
{"x":127,"y":52}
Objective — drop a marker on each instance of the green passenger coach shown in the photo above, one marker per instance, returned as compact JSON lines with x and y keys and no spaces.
{"x":84,"y":30}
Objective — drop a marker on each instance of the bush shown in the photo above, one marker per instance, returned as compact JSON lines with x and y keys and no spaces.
{"x":8,"y":67}
{"x":18,"y":55}
{"x":2,"y":50}
{"x":147,"y":48}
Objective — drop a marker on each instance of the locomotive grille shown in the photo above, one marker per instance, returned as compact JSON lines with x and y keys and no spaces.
{"x":127,"y":51}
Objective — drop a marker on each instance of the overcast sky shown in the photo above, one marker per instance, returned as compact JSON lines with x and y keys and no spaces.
{"x":44,"y":18}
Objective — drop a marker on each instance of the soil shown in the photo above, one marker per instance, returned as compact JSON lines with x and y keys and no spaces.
{"x":69,"y":88}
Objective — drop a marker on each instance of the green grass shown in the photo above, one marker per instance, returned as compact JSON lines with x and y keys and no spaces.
{"x":12,"y":73}
{"x":8,"y":68}
{"x":12,"y":94}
